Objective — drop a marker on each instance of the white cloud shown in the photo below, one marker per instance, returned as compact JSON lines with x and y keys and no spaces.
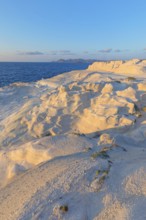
{"x":31,"y":53}
{"x":108,"y":50}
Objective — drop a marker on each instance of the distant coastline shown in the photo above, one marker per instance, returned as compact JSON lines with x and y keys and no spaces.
{"x":76,"y":60}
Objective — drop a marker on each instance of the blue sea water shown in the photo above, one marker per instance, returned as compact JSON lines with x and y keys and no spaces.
{"x":11,"y":72}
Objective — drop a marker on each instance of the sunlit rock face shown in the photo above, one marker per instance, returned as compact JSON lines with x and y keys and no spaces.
{"x":133,"y":67}
{"x":76,"y":108}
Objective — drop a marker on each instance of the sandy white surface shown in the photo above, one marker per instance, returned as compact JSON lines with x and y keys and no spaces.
{"x":73,"y":147}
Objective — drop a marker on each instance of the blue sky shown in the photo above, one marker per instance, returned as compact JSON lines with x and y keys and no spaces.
{"x":45,"y":30}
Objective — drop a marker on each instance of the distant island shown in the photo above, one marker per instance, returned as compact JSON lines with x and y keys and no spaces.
{"x":76,"y":61}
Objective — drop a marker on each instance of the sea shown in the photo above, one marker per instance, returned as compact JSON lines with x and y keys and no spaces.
{"x":11,"y":72}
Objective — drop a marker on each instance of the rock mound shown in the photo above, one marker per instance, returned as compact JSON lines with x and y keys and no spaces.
{"x":134,"y":66}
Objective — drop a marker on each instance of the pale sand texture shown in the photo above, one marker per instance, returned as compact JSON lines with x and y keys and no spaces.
{"x":75,"y":140}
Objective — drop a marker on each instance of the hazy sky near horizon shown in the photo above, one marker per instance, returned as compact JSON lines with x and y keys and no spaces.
{"x":45,"y":30}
